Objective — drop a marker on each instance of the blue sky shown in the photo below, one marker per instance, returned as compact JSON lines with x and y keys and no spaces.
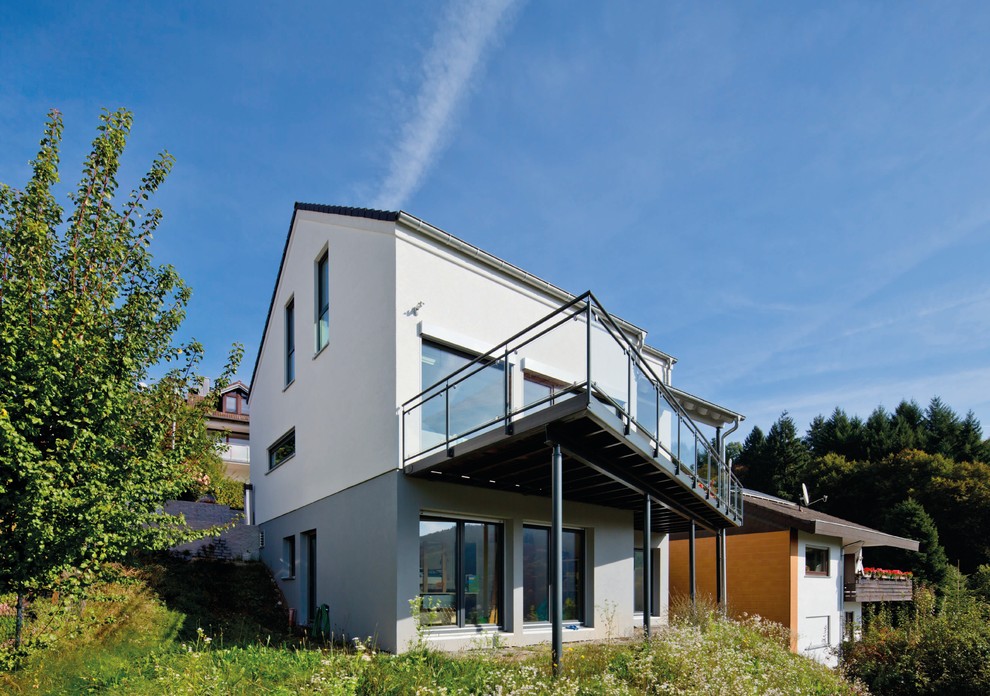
{"x":793,"y":198}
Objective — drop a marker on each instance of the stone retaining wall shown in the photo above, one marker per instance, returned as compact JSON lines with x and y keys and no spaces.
{"x":231,"y":545}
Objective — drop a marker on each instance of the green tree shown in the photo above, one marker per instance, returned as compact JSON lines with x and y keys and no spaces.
{"x":909,"y":519}
{"x":788,"y":458}
{"x":908,"y":427}
{"x":750,"y":465}
{"x":970,"y":446}
{"x":878,"y":435}
{"x":88,"y":452}
{"x":839,"y":435}
{"x":942,"y":429}
{"x":979,"y":583}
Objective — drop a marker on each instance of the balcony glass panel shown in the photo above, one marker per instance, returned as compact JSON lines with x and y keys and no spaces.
{"x":476,"y":396}
{"x":536,"y":390}
{"x":646,"y":402}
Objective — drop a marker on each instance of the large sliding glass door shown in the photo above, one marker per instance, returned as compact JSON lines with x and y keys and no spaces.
{"x":460,"y":571}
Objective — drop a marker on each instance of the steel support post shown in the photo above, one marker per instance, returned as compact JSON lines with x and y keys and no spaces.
{"x":647,"y":569}
{"x":691,"y":577}
{"x":556,"y":560}
{"x":724,"y":574}
{"x":719,"y":567}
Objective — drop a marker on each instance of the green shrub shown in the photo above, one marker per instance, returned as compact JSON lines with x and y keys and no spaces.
{"x":927,"y":650}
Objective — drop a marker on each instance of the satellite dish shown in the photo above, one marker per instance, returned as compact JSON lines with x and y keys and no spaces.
{"x":806,"y":500}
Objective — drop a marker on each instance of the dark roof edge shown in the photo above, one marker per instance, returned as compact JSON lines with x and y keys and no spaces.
{"x":370,"y":213}
{"x":271,"y":303}
{"x":784,"y":513}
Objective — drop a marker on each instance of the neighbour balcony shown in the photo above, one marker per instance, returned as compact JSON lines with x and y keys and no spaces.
{"x":878,"y":585}
{"x":574,"y":377}
{"x":235,"y":453}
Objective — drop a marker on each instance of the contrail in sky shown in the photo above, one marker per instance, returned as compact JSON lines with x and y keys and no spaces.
{"x":459,"y":44}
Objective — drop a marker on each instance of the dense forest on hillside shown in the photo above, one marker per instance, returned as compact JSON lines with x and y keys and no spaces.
{"x":918,"y":473}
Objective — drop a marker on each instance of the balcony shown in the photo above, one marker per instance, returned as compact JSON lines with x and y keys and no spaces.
{"x":576,"y":379}
{"x":879,"y":589}
{"x":236,"y":453}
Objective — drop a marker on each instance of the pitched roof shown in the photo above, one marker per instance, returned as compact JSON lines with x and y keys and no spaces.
{"x":766,"y":511}
{"x":415,"y":224}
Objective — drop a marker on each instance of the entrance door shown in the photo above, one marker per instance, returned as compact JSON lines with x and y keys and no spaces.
{"x":309,"y":575}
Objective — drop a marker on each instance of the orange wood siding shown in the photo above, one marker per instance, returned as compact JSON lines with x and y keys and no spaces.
{"x":760,"y":568}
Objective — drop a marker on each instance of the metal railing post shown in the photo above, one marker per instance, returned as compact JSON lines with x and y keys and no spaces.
{"x":446,"y":420}
{"x":588,"y":352}
{"x":629,"y":379}
{"x":508,"y":391}
{"x":656,"y":434}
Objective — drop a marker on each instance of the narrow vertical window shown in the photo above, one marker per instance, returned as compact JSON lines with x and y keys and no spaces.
{"x":289,"y":557}
{"x":322,"y":301}
{"x":290,"y":342}
{"x":536,"y":574}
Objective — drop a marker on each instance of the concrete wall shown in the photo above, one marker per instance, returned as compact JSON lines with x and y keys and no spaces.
{"x":342,"y":403}
{"x":368,"y":559}
{"x":356,"y":559}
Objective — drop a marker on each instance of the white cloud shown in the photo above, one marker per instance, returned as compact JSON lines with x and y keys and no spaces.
{"x":459,"y":44}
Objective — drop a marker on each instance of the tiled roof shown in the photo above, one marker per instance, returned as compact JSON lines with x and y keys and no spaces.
{"x":371,"y":213}
{"x":763,"y":511}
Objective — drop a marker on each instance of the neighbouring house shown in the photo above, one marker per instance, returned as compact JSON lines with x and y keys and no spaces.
{"x":232,"y":420}
{"x":433,"y":425}
{"x":796,"y":566}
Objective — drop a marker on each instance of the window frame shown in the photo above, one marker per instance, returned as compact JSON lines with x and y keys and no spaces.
{"x":460,"y":604}
{"x":289,"y":317}
{"x":581,"y":587}
{"x":321,"y":301}
{"x":289,"y":556}
{"x":272,"y":449}
{"x":557,"y":388}
{"x":808,"y":549}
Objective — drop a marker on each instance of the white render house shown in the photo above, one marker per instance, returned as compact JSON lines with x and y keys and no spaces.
{"x":430,"y":422}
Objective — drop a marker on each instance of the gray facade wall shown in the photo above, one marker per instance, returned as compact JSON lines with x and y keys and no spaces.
{"x":356,"y":560}
{"x":368,"y":559}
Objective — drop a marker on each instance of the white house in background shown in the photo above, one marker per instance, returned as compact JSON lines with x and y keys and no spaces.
{"x":414,"y":398}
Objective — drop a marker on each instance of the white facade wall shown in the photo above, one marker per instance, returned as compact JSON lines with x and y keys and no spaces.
{"x":342,"y":403}
{"x":820,"y":602}
{"x":471,"y":306}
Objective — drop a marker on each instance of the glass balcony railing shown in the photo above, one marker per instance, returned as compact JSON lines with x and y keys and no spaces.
{"x":582,"y":340}
{"x":235,"y":453}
